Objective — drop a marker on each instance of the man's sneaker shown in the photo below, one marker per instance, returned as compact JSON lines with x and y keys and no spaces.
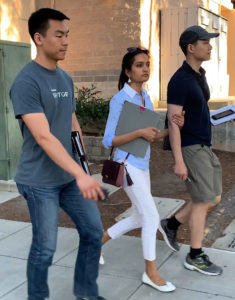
{"x":202,"y":264}
{"x":169,"y":235}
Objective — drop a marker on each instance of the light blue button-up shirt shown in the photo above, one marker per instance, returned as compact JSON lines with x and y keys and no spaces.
{"x":115,"y":108}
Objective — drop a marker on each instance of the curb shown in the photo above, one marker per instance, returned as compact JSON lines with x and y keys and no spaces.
{"x":8,"y":186}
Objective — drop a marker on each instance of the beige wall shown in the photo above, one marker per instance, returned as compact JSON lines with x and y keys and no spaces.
{"x":14,"y":15}
{"x":230,"y":15}
{"x":150,"y":18}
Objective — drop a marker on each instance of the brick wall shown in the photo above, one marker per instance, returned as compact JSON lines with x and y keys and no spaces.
{"x":104,"y":80}
{"x":100,"y":32}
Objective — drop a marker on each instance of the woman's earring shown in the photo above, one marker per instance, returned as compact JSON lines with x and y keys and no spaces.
{"x":129,"y":79}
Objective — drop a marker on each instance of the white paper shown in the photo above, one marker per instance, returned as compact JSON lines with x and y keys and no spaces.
{"x":223,"y":119}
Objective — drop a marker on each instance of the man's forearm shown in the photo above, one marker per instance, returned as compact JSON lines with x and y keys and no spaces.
{"x":55,"y":150}
{"x":175,"y":141}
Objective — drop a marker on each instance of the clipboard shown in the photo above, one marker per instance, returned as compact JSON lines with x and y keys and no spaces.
{"x":79,"y":152}
{"x":80,"y":157}
{"x":222,"y":115}
{"x":135,"y":117}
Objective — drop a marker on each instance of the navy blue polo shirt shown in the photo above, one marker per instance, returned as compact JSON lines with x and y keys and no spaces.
{"x":184,"y":90}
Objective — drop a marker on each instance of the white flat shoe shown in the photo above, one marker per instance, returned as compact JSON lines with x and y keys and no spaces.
{"x":168,"y":287}
{"x":102,"y":261}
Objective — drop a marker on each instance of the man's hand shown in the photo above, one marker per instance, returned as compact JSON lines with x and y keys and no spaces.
{"x":150,"y":133}
{"x":179,"y":119}
{"x":89,"y":187}
{"x":181,"y":170}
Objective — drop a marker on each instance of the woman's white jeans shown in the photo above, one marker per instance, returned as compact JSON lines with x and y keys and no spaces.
{"x":144,"y":212}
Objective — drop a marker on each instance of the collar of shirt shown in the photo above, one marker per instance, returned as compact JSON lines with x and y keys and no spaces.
{"x":187,"y":66}
{"x":200,"y":77}
{"x":131,"y":92}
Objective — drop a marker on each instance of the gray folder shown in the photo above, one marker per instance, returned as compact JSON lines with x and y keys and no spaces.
{"x":134,"y":117}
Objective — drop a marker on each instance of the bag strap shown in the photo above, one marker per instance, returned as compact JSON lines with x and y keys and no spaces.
{"x":128,"y":177}
{"x":111,"y":152}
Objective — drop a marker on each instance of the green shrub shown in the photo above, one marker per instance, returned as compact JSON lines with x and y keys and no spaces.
{"x":91,"y":110}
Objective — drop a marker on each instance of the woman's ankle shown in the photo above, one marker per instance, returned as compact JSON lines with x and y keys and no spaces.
{"x":105,"y":238}
{"x":156,"y":278}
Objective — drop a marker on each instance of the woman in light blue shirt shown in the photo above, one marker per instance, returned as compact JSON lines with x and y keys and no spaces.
{"x":135,"y":71}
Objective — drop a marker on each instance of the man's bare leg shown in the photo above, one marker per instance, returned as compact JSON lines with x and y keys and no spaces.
{"x":197,"y":222}
{"x":183,"y":215}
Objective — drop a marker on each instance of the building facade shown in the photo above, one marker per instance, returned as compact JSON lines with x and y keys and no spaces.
{"x":101,"y":30}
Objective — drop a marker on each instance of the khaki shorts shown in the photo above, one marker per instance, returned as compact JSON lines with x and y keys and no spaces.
{"x":204,"y":172}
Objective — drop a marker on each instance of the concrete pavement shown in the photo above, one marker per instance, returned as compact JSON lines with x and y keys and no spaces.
{"x":120,"y":277}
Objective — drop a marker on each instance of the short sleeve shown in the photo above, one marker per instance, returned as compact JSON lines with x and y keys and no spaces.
{"x":25,"y":99}
{"x":73,"y":105}
{"x":73,"y":99}
{"x":177,"y":91}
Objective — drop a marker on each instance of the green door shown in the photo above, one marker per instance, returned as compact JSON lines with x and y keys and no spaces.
{"x":13,"y":57}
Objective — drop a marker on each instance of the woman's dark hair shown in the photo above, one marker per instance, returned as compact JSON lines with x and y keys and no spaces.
{"x":127,"y":63}
{"x":39,"y":20}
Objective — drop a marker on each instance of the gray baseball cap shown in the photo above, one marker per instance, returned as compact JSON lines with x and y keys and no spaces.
{"x":195,"y":33}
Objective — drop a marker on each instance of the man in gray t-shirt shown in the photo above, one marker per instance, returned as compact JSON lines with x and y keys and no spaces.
{"x":49,"y":92}
{"x":48,"y":176}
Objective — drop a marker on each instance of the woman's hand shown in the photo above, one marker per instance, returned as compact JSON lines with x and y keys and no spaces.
{"x":179,"y":119}
{"x":149,"y":133}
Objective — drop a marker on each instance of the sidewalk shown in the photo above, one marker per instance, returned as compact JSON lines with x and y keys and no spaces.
{"x":120,"y":277}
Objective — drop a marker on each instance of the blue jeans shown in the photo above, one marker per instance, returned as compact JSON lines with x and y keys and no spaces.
{"x":44,"y":204}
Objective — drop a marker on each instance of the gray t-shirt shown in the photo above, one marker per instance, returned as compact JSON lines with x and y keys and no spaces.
{"x":39,"y":90}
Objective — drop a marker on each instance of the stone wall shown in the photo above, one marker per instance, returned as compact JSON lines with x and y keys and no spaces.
{"x":224,"y":134}
{"x":95,"y":149}
{"x":221,"y":134}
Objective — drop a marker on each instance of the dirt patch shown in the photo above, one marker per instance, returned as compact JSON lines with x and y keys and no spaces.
{"x":164,"y":184}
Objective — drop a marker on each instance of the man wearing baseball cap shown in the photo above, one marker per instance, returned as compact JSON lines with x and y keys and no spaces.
{"x":195,"y":163}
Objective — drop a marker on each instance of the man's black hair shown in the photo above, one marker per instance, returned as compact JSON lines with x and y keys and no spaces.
{"x":186,"y":39}
{"x":39,"y":20}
